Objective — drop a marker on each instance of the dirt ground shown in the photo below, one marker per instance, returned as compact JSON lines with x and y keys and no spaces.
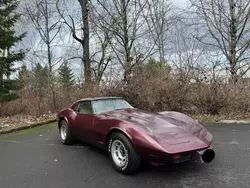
{"x":13,"y":122}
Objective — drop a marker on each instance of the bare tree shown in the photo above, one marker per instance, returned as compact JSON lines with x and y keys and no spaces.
{"x":84,"y":39}
{"x":102,"y":55}
{"x":187,"y":54}
{"x":126,"y":20}
{"x":159,"y":21}
{"x":228,"y":28}
{"x":48,"y":26}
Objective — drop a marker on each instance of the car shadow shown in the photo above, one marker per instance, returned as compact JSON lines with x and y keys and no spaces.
{"x":147,"y":168}
{"x":189,"y":166}
{"x":79,"y":143}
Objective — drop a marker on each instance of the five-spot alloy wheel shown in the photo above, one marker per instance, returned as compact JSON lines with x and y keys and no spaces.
{"x":119,"y":153}
{"x":65,"y":134}
{"x":125,"y":158}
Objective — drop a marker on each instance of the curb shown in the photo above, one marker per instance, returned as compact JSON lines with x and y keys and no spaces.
{"x":28,"y":126}
{"x":226,"y":122}
{"x":234,"y":121}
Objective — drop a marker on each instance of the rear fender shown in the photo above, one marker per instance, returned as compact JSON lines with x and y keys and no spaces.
{"x":66,"y":114}
{"x":60,"y":118}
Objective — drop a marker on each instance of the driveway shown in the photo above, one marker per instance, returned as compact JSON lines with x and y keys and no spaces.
{"x":35,"y":158}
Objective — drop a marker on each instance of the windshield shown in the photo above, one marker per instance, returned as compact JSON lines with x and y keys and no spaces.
{"x":105,"y":105}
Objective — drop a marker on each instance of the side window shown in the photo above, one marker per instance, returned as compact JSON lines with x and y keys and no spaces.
{"x":85,"y":107}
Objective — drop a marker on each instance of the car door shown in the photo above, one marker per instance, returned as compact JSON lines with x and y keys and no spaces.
{"x":84,"y":121}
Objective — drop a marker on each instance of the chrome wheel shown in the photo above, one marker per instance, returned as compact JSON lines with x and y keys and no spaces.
{"x":63,"y":131}
{"x":119,"y":153}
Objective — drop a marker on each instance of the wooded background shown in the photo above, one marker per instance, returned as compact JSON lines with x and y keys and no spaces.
{"x":190,"y":56}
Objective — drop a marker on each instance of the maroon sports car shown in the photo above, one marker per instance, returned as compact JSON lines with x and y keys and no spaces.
{"x":131,"y":135}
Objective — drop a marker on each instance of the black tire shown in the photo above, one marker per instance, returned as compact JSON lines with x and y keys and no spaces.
{"x":68,"y":140}
{"x":133,"y":160}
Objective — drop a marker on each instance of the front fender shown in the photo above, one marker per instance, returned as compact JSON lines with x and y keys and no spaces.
{"x":139,"y":139}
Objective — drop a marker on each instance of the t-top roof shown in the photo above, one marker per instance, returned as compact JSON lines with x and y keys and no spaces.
{"x":98,"y":98}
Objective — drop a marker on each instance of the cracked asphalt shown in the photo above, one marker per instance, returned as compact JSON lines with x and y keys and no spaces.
{"x":35,"y":158}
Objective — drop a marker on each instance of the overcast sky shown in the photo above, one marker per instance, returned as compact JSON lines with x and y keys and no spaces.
{"x":180,"y":3}
{"x":32,"y":40}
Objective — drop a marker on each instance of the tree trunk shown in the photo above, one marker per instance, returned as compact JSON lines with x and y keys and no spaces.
{"x":85,"y":43}
{"x":160,"y":36}
{"x":161,"y":48}
{"x":233,"y":39}
{"x":127,"y":63}
{"x":49,"y":56}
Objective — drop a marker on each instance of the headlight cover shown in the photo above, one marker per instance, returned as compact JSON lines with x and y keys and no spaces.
{"x":209,"y":136}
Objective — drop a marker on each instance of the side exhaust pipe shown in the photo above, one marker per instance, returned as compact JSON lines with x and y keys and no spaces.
{"x":206,"y":156}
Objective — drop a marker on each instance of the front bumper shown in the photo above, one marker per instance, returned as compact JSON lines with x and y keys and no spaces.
{"x":197,"y":155}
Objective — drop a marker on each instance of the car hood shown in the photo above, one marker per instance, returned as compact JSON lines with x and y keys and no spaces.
{"x":167,"y":127}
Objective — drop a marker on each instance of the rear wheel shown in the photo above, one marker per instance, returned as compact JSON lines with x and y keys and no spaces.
{"x":124,"y":156}
{"x":65,"y":134}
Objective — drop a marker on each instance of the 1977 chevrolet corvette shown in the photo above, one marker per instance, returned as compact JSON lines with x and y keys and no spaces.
{"x":131,"y":135}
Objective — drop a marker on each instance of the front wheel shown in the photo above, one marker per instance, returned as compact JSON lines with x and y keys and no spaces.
{"x":65,"y":134}
{"x":124,"y":156}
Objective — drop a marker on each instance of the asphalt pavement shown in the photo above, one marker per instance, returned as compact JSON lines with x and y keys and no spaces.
{"x":35,"y":158}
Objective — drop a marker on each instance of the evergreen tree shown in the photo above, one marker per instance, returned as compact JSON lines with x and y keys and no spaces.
{"x":66,"y":76}
{"x":8,"y":40}
{"x":157,"y":68}
{"x":40,"y":79}
{"x":66,"y":79}
{"x":23,"y":76}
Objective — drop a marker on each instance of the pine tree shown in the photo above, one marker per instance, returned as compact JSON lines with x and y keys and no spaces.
{"x":66,"y":76}
{"x":157,"y":68}
{"x":40,"y":80}
{"x":23,"y":76}
{"x":8,"y":40}
{"x":66,"y":79}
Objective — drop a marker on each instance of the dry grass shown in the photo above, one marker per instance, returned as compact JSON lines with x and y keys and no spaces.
{"x":211,"y":101}
{"x":20,"y":120}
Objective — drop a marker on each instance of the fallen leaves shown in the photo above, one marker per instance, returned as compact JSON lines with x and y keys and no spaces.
{"x":18,"y":121}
